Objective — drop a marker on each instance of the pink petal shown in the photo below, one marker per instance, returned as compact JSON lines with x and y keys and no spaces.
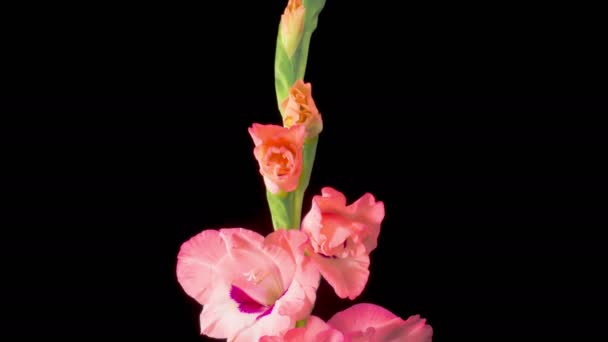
{"x":245,"y":303}
{"x":316,"y":330}
{"x":293,"y":243}
{"x":284,"y":261}
{"x":331,"y":335}
{"x":260,"y":133}
{"x":295,"y":303}
{"x":272,"y":324}
{"x":330,"y":200}
{"x":260,"y":272}
{"x":309,"y":277}
{"x":323,"y":223}
{"x":271,"y":339}
{"x":272,"y":186}
{"x":197,"y":264}
{"x":330,"y":192}
{"x":241,"y":238}
{"x":221,"y":318}
{"x":290,"y":240}
{"x":414,"y":329}
{"x":302,"y":293}
{"x":367,"y":207}
{"x":254,"y":269}
{"x":336,"y":228}
{"x":312,"y":223}
{"x":360,"y":316}
{"x":300,"y":280}
{"x":380,"y":324}
{"x":371,"y":213}
{"x":306,"y":279}
{"x":348,"y":276}
{"x":299,"y":132}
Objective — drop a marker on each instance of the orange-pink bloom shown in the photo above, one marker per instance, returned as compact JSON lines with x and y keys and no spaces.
{"x":278,"y":151}
{"x":300,"y":108}
{"x":362,"y":323}
{"x":249,"y":286}
{"x":292,"y":26}
{"x":342,"y":238}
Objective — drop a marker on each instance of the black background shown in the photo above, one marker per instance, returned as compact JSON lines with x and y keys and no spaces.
{"x":478,"y":127}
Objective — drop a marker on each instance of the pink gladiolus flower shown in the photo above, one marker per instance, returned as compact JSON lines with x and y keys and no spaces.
{"x":360,"y":323}
{"x":278,"y":151}
{"x":342,"y":237}
{"x":249,"y":286}
{"x":300,"y":108}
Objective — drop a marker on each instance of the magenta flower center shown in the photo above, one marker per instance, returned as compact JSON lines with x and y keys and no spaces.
{"x":248,"y":304}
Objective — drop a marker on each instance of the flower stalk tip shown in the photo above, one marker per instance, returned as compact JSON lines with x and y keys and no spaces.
{"x":292,"y":26}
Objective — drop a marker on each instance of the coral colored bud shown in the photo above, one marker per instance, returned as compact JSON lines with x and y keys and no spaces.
{"x":292,"y":26}
{"x":300,"y":108}
{"x":278,"y":151}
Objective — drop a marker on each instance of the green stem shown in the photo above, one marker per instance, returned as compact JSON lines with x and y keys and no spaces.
{"x":297,"y":209}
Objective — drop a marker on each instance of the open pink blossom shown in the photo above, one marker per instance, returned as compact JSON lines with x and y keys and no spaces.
{"x":360,"y":323}
{"x":249,"y":286}
{"x":278,"y":151}
{"x":342,"y":237}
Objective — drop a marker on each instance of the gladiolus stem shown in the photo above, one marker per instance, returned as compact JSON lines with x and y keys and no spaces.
{"x":286,"y":209}
{"x":297,"y":210}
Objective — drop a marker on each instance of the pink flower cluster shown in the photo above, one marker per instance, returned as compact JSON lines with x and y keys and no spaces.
{"x":255,"y":288}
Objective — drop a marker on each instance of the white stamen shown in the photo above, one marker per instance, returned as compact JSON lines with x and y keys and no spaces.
{"x":254,"y":276}
{"x":250,"y":275}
